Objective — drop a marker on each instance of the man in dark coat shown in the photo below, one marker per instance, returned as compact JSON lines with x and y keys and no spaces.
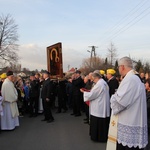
{"x":112,"y":81}
{"x":37,"y":78}
{"x":62,"y":95}
{"x":47,"y":97}
{"x":34,"y":96}
{"x":142,"y":75}
{"x":69,"y":92}
{"x":88,"y":86}
{"x":77,"y":83}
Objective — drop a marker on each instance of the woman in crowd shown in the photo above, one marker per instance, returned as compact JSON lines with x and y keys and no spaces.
{"x":20,"y":90}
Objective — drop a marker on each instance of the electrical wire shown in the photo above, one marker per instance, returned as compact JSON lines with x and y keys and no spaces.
{"x":129,"y":24}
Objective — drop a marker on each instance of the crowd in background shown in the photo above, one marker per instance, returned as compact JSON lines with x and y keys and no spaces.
{"x":89,"y":93}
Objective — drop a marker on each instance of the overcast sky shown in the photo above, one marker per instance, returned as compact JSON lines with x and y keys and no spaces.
{"x":79,"y":24}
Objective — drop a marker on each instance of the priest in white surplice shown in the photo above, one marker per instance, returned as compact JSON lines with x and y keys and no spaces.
{"x":9,"y":120}
{"x":129,"y":104}
{"x":99,"y":108}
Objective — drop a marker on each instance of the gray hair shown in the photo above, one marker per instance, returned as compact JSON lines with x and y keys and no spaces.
{"x":126,"y":61}
{"x":96,"y":74}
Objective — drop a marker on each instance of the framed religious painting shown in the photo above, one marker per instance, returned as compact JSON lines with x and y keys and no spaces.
{"x":54,"y":60}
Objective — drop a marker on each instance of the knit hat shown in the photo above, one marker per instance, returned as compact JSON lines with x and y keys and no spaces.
{"x":102,"y":72}
{"x":111,"y":71}
{"x":3,"y":76}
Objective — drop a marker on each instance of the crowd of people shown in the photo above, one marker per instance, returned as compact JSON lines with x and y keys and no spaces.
{"x":108,"y":102}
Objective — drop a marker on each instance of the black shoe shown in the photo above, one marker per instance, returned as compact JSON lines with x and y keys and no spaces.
{"x":30,"y":116}
{"x":86,"y":122}
{"x":72,"y":114}
{"x":50,"y":120}
{"x":64,"y":111}
{"x":44,"y":120}
{"x":85,"y":119}
{"x":57,"y":112}
{"x":77,"y":115}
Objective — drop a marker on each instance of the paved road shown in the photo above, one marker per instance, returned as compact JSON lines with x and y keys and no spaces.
{"x":66,"y":133}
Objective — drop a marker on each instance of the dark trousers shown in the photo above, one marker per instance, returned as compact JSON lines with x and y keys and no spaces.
{"x":76,"y":104}
{"x":47,"y":109}
{"x":62,"y":103}
{"x":36,"y":105}
{"x":26,"y":106}
{"x":86,"y":111}
{"x":121,"y":147}
{"x":33,"y":106}
{"x":70,"y":100}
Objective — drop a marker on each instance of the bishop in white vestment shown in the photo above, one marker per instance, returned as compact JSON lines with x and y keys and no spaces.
{"x":9,"y":120}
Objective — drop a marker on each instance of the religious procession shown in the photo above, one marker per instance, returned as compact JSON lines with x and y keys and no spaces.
{"x":116,"y":108}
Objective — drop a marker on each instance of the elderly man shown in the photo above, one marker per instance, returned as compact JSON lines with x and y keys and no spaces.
{"x":99,"y":108}
{"x":129,"y":104}
{"x":9,"y":120}
{"x":112,"y":81}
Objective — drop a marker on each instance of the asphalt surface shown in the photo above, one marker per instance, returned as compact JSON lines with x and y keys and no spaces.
{"x":65,"y":133}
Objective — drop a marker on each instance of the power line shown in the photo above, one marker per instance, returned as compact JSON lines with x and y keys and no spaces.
{"x":128,"y":15}
{"x":130,"y":24}
{"x":119,"y":30}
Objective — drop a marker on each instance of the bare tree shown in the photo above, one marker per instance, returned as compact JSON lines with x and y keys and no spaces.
{"x":112,"y":53}
{"x":8,"y":39}
{"x":91,"y":64}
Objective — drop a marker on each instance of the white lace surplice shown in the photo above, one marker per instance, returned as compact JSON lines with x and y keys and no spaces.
{"x":129,"y":102}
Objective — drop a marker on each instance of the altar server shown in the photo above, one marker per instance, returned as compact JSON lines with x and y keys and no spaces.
{"x":99,"y":108}
{"x":129,"y":105}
